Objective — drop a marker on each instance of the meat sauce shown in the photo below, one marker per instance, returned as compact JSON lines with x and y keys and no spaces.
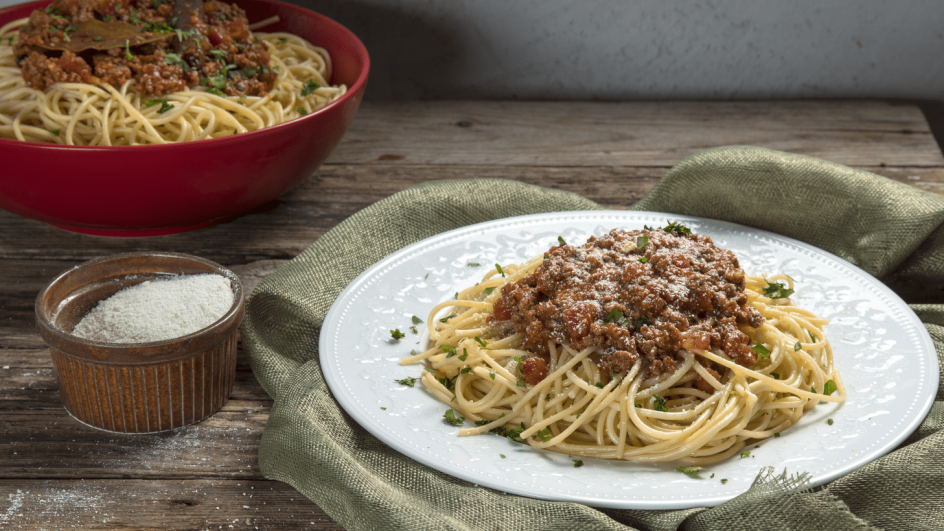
{"x":164,"y":47}
{"x":633,"y":302}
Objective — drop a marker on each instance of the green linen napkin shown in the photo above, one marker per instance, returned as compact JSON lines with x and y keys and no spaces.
{"x":891,"y":230}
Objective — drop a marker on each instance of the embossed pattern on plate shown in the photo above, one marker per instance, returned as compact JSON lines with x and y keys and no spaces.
{"x":883,"y":352}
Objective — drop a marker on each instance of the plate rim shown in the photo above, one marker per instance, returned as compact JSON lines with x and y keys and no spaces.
{"x":332,"y":376}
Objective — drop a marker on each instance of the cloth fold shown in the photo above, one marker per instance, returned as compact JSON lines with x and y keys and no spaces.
{"x":891,"y":230}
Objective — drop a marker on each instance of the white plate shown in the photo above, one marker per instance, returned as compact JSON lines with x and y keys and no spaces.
{"x":883,"y":352}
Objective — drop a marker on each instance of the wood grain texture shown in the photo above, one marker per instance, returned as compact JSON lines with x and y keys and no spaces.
{"x":855,"y":133}
{"x":181,"y":505}
{"x":57,"y":474}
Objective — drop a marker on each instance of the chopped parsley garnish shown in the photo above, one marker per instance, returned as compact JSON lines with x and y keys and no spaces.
{"x":577,"y":463}
{"x":599,"y":385}
{"x":745,"y":453}
{"x":383,"y":408}
{"x":561,"y":241}
{"x":128,"y":55}
{"x":155,"y":27}
{"x":218,"y":54}
{"x":248,"y":72}
{"x":396,"y":333}
{"x":302,"y":111}
{"x":617,"y":317}
{"x":134,"y":18}
{"x":465,"y":354}
{"x":309,"y":87}
{"x":473,"y":264}
{"x":450,"y":349}
{"x":638,"y":404}
{"x":762,"y":351}
{"x":464,"y":370}
{"x":776,"y":434}
{"x":711,"y":476}
{"x":416,"y":320}
{"x":492,"y":375}
{"x":658,"y":403}
{"x":502,"y":455}
{"x":676,"y":228}
{"x":723,"y":481}
{"x":216,"y":92}
{"x":547,"y":398}
{"x":776,"y":290}
{"x":543,"y":435}
{"x":498,"y":267}
{"x":448,"y":383}
{"x":163,"y":103}
{"x":488,"y":291}
{"x":513,"y":434}
{"x":829,"y":421}
{"x":639,"y":321}
{"x":451,"y":418}
{"x":54,"y":131}
{"x":521,"y":383}
{"x":174,"y":59}
{"x":413,"y":329}
{"x":829,"y":387}
{"x":811,"y":336}
{"x":283,"y":40}
{"x":446,"y":318}
{"x":775,"y":375}
{"x":644,"y":259}
{"x":98,"y":38}
{"x":797,"y":347}
{"x":480,"y":341}
{"x":409,"y":381}
{"x":641,"y":242}
{"x":691,"y":471}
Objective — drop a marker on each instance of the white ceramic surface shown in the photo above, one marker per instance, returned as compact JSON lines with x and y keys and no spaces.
{"x":884,"y":354}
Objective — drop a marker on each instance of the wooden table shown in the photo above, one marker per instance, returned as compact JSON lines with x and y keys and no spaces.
{"x":58,"y":474}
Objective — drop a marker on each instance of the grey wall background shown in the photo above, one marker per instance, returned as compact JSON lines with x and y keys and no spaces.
{"x":646,"y":49}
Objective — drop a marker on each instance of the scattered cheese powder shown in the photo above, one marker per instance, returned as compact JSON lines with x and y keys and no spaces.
{"x":158,"y":310}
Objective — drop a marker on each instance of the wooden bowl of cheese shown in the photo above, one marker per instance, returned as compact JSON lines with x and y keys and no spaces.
{"x":142,"y":342}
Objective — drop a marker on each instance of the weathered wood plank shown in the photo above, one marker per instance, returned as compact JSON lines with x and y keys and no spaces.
{"x":48,"y":443}
{"x":633,"y":133}
{"x":332,"y":194}
{"x":182,"y":505}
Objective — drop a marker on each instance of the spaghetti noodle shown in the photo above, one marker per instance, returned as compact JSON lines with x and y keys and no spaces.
{"x":575,"y":399}
{"x":86,"y":114}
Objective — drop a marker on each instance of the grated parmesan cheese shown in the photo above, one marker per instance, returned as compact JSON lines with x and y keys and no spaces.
{"x":158,"y":310}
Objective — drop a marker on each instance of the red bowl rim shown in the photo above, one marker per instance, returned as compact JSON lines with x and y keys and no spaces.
{"x":360,"y":51}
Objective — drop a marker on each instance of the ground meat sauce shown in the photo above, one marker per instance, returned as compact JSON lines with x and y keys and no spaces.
{"x":150,"y":41}
{"x":687,"y":293}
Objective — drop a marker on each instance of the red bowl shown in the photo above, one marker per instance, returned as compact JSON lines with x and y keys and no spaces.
{"x":172,"y":188}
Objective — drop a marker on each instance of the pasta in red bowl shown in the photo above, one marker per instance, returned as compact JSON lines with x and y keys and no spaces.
{"x":149,"y":117}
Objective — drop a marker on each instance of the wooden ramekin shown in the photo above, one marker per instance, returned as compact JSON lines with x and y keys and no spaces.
{"x":137,"y":387}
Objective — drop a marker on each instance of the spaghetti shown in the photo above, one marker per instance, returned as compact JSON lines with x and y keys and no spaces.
{"x":702,"y":405}
{"x":104,"y":115}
